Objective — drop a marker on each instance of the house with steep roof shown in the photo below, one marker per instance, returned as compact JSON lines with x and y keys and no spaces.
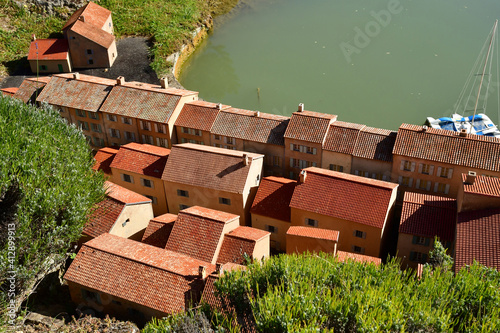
{"x":424,"y":217}
{"x":359,"y":208}
{"x":271,"y":209}
{"x":304,"y":140}
{"x":478,"y":238}
{"x":103,"y":159}
{"x":372,"y":154}
{"x":141,"y":112}
{"x":252,"y":131}
{"x":478,"y":192}
{"x":301,"y":239}
{"x":89,"y":32}
{"x":11,"y":91}
{"x":49,"y":56}
{"x":244,"y":244}
{"x":432,"y":161}
{"x":133,"y":280}
{"x":158,"y":230}
{"x":122,"y":213}
{"x":78,"y":98}
{"x":216,"y":178}
{"x":30,"y":88}
{"x":339,"y":146}
{"x":195,"y":121}
{"x":139,"y":168}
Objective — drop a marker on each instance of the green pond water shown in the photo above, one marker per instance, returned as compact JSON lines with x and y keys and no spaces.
{"x":375,"y":62}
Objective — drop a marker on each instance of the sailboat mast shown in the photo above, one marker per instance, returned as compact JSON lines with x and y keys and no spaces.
{"x":484,"y":70}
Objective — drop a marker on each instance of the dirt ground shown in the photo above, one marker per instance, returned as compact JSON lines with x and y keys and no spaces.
{"x":132,"y":63}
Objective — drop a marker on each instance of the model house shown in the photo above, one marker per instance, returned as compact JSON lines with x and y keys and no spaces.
{"x":30,"y":88}
{"x":158,"y":230}
{"x":122,"y":213}
{"x":49,"y":56}
{"x":359,"y":208}
{"x":301,"y":239}
{"x":339,"y":146}
{"x":271,"y":209}
{"x":478,"y":192}
{"x":103,"y":159}
{"x":423,"y":218}
{"x":216,"y":178}
{"x":304,"y":140}
{"x":139,"y":168}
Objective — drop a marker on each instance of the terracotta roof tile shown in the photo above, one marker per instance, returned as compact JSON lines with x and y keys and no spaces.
{"x":198,"y":115}
{"x":326,"y":234}
{"x":142,"y":159}
{"x":488,"y":186}
{"x":198,"y":232}
{"x":273,"y":198}
{"x":104,"y":217}
{"x":478,"y":238}
{"x":30,"y":89}
{"x":48,"y":49}
{"x":473,"y":151}
{"x":81,"y":94}
{"x":235,"y":250}
{"x":342,"y":137}
{"x":309,"y":126}
{"x":248,"y":233}
{"x":158,"y":230}
{"x":11,"y":91}
{"x":344,"y":256}
{"x":93,"y":13}
{"x":103,"y":159}
{"x":137,"y":272}
{"x":124,"y":195}
{"x":209,"y":167}
{"x":144,"y":104}
{"x":344,"y":196}
{"x":93,"y":33}
{"x":375,"y":144}
{"x":428,"y":216}
{"x":246,"y":125}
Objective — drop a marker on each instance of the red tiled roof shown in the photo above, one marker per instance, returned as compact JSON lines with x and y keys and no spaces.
{"x":473,"y":151}
{"x":124,"y":195}
{"x":142,"y":159}
{"x":156,"y":106}
{"x":198,"y":232}
{"x":344,"y":256}
{"x":309,"y":126}
{"x":158,"y":230}
{"x":30,"y":89}
{"x":478,"y":238}
{"x":209,"y":167}
{"x":249,"y":233}
{"x":93,"y":33}
{"x":428,"y":216}
{"x":198,"y":115}
{"x":273,"y":198}
{"x":93,"y":13}
{"x":86,"y":93}
{"x":49,"y":49}
{"x":235,"y":250}
{"x":137,"y":272}
{"x":246,"y":125}
{"x":332,"y":235}
{"x":488,"y":186}
{"x":104,"y":217}
{"x":11,"y":91}
{"x":342,"y":137}
{"x":344,"y":196}
{"x":375,"y":144}
{"x":103,"y":159}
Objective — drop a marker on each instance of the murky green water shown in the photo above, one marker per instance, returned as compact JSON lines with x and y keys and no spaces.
{"x":410,"y":60}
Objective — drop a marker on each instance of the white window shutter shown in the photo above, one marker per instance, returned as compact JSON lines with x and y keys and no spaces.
{"x":420,"y":167}
{"x":410,"y":183}
{"x":364,"y":234}
{"x":402,"y":165}
{"x":417,"y":183}
{"x":450,"y":172}
{"x":123,"y":120}
{"x":356,"y":172}
{"x":164,"y":128}
{"x":428,"y":186}
{"x":291,"y":162}
{"x":141,"y":124}
{"x":314,"y":164}
{"x":118,"y":134}
{"x":436,"y":187}
{"x":291,"y":146}
{"x":447,"y":189}
{"x":314,"y":151}
{"x":400,"y":179}
{"x":158,"y":141}
{"x":111,"y":132}
{"x":156,"y":127}
{"x":412,"y":166}
{"x":431,"y":170}
{"x":439,"y":172}
{"x":142,"y":181}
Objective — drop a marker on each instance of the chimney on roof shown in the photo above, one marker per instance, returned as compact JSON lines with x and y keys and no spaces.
{"x":302,"y":176}
{"x":202,"y":272}
{"x":164,"y":82}
{"x":424,"y":128}
{"x":33,"y":37}
{"x":120,"y":80}
{"x":76,"y":75}
{"x":219,"y":106}
{"x":218,"y":268}
{"x":301,"y":107}
{"x":463,"y":132}
{"x":471,"y":178}
{"x":246,"y":159}
{"x":81,"y":18}
{"x":256,"y":113}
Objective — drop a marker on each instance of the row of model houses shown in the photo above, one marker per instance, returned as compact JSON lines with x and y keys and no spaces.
{"x":115,"y":112}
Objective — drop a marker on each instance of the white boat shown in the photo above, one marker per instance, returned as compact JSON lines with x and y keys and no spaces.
{"x":482,"y":124}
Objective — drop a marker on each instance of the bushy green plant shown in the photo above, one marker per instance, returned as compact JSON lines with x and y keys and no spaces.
{"x":47,"y":190}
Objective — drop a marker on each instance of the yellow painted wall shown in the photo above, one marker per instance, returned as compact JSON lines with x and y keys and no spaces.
{"x":52,"y":66}
{"x":301,"y":156}
{"x":269,"y":151}
{"x":122,"y":128}
{"x":78,"y":46}
{"x":261,"y":250}
{"x":301,"y":244}
{"x":330,"y":157}
{"x":260,"y":222}
{"x":138,"y":216}
{"x":373,"y":167}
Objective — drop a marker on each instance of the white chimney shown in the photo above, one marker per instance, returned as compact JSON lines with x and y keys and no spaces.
{"x":245,"y":159}
{"x":164,"y":82}
{"x":301,"y":107}
{"x":302,"y":176}
{"x":33,"y":37}
{"x":120,"y":81}
{"x":76,"y":76}
{"x":82,"y":18}
{"x":219,"y":106}
{"x":218,"y":268}
{"x":424,"y":128}
{"x":471,"y":178}
{"x":202,"y":271}
{"x":463,"y":132}
{"x":256,"y":113}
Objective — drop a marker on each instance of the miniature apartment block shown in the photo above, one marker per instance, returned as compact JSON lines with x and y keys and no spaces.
{"x":309,"y":239}
{"x":478,"y":192}
{"x":158,"y":230}
{"x":49,"y":56}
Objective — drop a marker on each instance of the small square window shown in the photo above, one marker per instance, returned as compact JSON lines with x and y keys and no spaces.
{"x":111,"y":117}
{"x":127,"y":178}
{"x":360,"y":234}
{"x":126,"y":120}
{"x":89,"y":51}
{"x":358,"y":249}
{"x":225,"y":201}
{"x":154,"y":200}
{"x":43,"y":67}
{"x":311,"y":222}
{"x":271,"y":229}
{"x":217,"y":137}
{"x":147,"y":183}
{"x":182,"y":193}
{"x":91,"y":61}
